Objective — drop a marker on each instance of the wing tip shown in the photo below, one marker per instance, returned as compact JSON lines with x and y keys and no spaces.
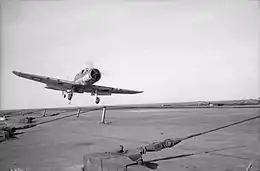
{"x":139,"y":91}
{"x":15,"y":72}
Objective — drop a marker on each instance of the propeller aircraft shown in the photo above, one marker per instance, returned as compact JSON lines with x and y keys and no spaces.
{"x":83,"y":83}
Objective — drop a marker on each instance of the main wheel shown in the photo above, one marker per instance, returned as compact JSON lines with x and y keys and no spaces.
{"x":97,"y":100}
{"x":70,"y":96}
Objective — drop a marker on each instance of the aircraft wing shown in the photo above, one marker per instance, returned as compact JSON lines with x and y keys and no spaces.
{"x":52,"y":83}
{"x":103,"y":90}
{"x":62,"y":85}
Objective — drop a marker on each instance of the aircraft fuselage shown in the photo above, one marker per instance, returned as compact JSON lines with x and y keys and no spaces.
{"x":88,"y":76}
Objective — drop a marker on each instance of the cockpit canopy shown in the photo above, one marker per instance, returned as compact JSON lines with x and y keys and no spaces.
{"x":84,"y":70}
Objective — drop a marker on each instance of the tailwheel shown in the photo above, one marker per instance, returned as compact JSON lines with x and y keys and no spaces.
{"x":97,"y":100}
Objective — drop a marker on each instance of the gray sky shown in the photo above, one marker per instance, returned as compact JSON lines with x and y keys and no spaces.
{"x":173,"y":50}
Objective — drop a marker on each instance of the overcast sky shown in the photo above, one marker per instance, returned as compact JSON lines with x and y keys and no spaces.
{"x":172,"y":50}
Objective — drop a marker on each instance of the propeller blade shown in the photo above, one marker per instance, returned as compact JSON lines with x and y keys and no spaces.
{"x":89,"y":64}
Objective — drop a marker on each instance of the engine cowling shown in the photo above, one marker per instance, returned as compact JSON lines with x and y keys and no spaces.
{"x":94,"y":75}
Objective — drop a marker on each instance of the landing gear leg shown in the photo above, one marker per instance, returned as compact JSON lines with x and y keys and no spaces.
{"x":97,"y":98}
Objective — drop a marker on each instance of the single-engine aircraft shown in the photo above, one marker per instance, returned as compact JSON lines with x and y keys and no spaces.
{"x":83,"y":82}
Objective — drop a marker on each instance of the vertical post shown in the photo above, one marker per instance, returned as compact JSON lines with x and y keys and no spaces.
{"x":44,"y":113}
{"x":103,"y":115}
{"x":250,"y":165}
{"x":78,"y":112}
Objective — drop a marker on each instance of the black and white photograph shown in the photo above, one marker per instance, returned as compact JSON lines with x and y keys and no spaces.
{"x":130,"y":85}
